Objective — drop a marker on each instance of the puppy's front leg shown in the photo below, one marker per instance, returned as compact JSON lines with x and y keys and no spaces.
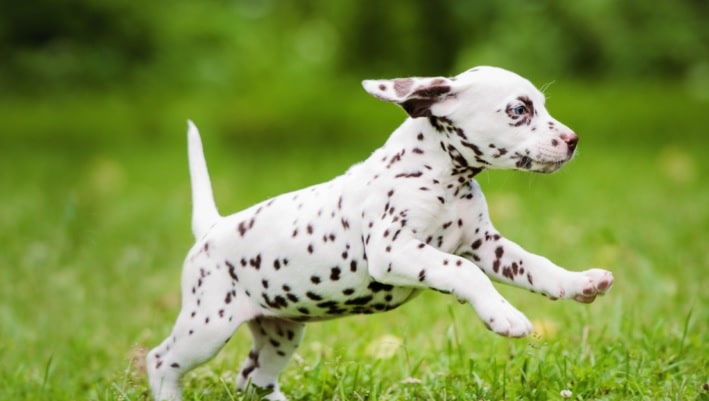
{"x":412,"y":263}
{"x":507,"y":262}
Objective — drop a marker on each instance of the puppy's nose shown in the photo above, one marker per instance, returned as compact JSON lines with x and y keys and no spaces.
{"x":571,"y":141}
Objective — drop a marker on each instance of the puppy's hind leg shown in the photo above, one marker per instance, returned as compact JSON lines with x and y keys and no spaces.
{"x":275,"y":341}
{"x":204,"y":325}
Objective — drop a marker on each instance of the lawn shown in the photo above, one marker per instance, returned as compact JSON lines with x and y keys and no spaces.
{"x":94,"y":230}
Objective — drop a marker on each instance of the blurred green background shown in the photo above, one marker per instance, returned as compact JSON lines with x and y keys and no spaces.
{"x":101,"y":73}
{"x":94,"y":212}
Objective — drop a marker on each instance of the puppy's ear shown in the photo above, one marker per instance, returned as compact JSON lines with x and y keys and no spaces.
{"x":419,"y":97}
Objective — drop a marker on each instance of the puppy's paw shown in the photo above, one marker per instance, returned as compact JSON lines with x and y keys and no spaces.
{"x":591,"y":283}
{"x":504,"y":319}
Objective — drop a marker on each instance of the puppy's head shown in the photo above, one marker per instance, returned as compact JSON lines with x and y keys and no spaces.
{"x":494,"y":117}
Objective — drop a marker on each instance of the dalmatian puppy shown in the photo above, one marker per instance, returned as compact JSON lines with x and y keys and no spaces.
{"x":411,"y":217}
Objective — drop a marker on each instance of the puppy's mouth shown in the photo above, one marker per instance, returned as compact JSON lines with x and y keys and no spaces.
{"x":548,"y":166}
{"x":540,"y":165}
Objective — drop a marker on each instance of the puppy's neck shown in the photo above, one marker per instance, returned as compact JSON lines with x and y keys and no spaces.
{"x":438,"y":144}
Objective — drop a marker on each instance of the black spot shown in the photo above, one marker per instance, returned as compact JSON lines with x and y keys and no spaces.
{"x":315,"y":279}
{"x":524,"y":162}
{"x":422,"y":275}
{"x":247,"y":371}
{"x":280,"y":302}
{"x":348,"y":291}
{"x":379,"y":307}
{"x":335,"y":274}
{"x":396,"y":235}
{"x":277,"y":264}
{"x":507,"y":272}
{"x":232,"y":270}
{"x":353,"y":266}
{"x":256,"y":262}
{"x":313,"y":296}
{"x":327,"y":305}
{"x":499,"y":251}
{"x":242,"y":228}
{"x":409,"y":175}
{"x":376,"y":286}
{"x":359,"y":300}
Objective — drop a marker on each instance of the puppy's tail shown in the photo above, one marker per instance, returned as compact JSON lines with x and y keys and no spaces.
{"x":204,"y":210}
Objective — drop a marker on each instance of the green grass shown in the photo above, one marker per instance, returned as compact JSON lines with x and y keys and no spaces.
{"x":93,"y":238}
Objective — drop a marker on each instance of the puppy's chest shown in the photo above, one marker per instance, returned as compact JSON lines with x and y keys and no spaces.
{"x":428,"y":214}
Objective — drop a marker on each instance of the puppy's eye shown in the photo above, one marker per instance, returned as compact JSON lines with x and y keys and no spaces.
{"x":519,"y":110}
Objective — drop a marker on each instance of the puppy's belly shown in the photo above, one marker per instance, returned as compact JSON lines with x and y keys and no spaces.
{"x":362,"y":301}
{"x":306,"y":287}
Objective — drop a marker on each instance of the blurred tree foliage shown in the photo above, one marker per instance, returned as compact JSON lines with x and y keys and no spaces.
{"x":83,"y":45}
